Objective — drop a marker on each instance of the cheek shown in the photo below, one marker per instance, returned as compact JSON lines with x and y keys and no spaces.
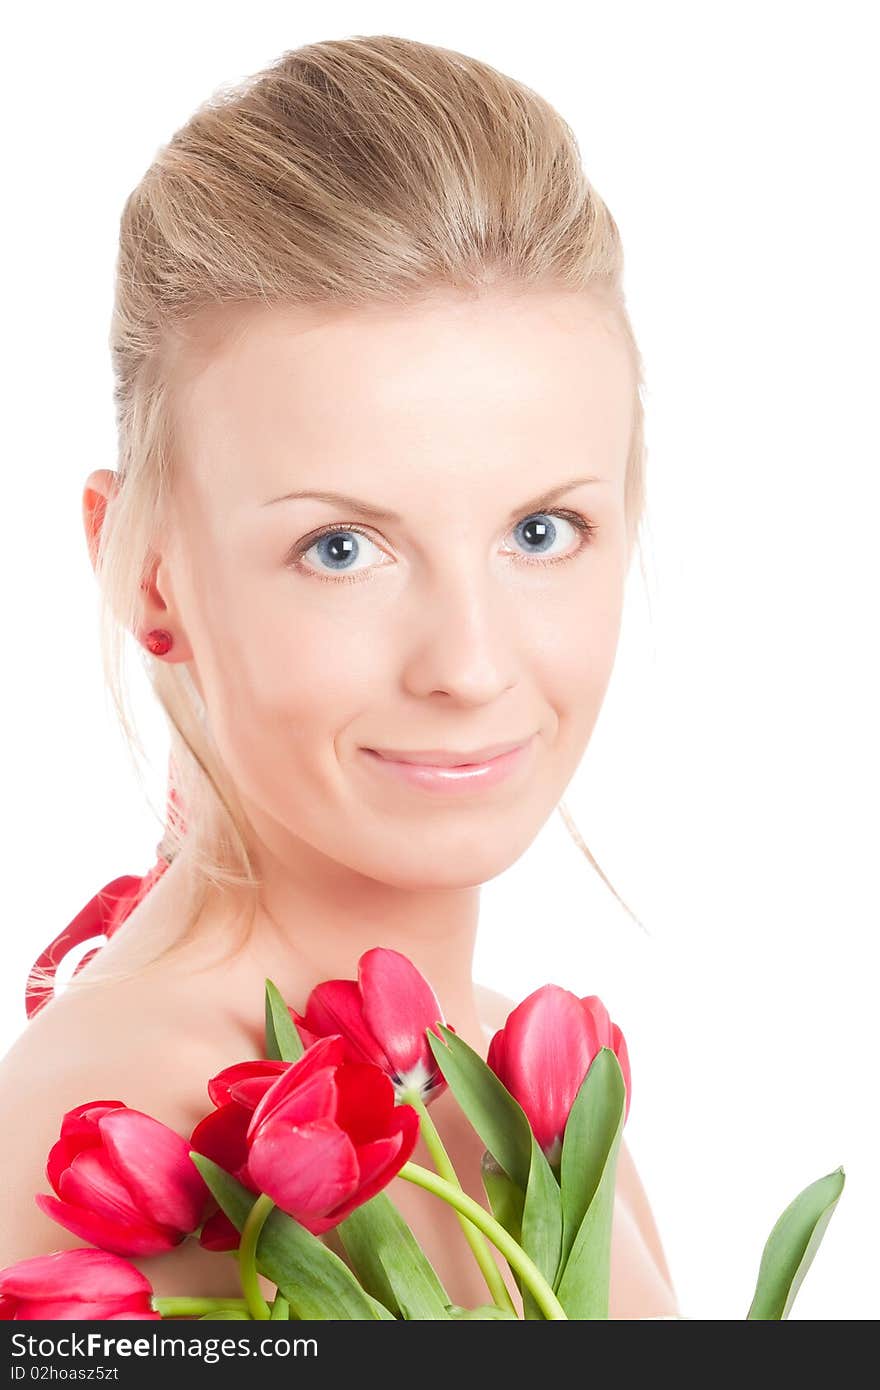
{"x":285,"y":679}
{"x":575,"y":642}
{"x":296,"y":679}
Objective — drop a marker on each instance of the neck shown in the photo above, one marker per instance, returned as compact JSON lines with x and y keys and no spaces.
{"x":315,"y":918}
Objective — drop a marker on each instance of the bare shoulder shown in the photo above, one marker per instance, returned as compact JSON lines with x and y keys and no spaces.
{"x":126,"y":1042}
{"x":94,"y":1044}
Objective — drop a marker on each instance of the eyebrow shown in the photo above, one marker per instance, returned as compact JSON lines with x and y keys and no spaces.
{"x":356,"y":504}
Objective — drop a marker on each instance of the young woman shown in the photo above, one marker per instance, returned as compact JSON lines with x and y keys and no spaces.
{"x":380,"y":478}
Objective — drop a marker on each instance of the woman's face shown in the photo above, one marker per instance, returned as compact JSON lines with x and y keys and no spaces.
{"x":471,"y":596}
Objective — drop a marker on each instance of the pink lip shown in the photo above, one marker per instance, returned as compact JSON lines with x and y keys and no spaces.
{"x":446,"y":778}
{"x":444,"y":757}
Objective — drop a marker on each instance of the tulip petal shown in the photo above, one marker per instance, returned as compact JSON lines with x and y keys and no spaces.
{"x":336,"y":1006}
{"x":92,"y":1182}
{"x":250,"y":1090}
{"x":79,"y":1130}
{"x":218,"y":1233}
{"x":307,"y":1037}
{"x":307,"y":1170}
{"x":391,"y":1152}
{"x":549,"y":1043}
{"x":379,"y":1156}
{"x":155,"y":1165}
{"x":70,"y":1309}
{"x":221,"y":1136}
{"x":381,"y":1161}
{"x":618,"y":1042}
{"x":312,"y":1099}
{"x":365,"y":1105}
{"x":95,"y":1273}
{"x":398,"y":1005}
{"x":319,"y":1224}
{"x":81,"y":1123}
{"x":327,"y":1052}
{"x":128,"y":1316}
{"x":120,"y":1237}
{"x":219,"y":1086}
{"x":61,"y":1155}
{"x":609,"y":1035}
{"x":601,"y":1019}
{"x":495,"y":1056}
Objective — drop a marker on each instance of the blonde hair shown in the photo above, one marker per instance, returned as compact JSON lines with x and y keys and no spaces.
{"x":350,"y":172}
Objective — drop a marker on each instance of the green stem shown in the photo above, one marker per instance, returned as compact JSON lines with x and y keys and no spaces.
{"x":183,"y":1306}
{"x":280,"y":1308}
{"x":444,"y":1165}
{"x":514,"y":1254}
{"x":247,"y":1265}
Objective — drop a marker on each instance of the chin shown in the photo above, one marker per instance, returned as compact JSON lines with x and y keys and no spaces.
{"x":432,"y":866}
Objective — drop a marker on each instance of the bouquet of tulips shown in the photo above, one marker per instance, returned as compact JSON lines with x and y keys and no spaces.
{"x":304,"y":1141}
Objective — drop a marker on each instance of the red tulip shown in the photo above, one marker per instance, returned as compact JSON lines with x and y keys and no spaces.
{"x":75,"y":1284}
{"x":125,"y":1181}
{"x":222,"y":1135}
{"x":545,"y":1050}
{"x":323,"y":1137}
{"x":382,"y":1017}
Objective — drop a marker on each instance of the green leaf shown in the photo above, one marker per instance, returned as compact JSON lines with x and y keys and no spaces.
{"x":586,"y":1142}
{"x":791,"y":1246}
{"x":316,"y":1282}
{"x":541,"y":1227}
{"x":485,"y":1312}
{"x":498,"y":1118}
{"x":506,"y":1200}
{"x":283,"y":1042}
{"x":390,"y":1263}
{"x":584,"y":1277}
{"x":381,"y":1311}
{"x":279,"y":1309}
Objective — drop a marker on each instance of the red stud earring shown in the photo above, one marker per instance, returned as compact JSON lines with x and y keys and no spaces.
{"x":158,"y":641}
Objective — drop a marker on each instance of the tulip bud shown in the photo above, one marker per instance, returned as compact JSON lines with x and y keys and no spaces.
{"x":75,"y":1284}
{"x":545,"y":1050}
{"x":123,"y":1180}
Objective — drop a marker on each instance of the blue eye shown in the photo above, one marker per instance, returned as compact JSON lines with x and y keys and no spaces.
{"x":339,"y":551}
{"x":539,"y":531}
{"x":343,"y":552}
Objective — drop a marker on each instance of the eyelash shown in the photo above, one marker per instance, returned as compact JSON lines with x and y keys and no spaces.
{"x":587,"y":529}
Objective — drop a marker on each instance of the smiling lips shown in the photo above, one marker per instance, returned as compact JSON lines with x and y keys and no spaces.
{"x":439,"y":770}
{"x":439,"y":757}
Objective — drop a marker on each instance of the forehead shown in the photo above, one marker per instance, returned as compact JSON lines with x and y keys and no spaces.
{"x":266,"y":390}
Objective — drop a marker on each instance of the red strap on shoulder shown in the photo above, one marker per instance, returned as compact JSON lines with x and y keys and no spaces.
{"x":102,"y":915}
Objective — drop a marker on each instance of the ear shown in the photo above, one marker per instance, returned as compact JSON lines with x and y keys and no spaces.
{"x":100,"y":487}
{"x":159,"y":610}
{"x":98,"y":490}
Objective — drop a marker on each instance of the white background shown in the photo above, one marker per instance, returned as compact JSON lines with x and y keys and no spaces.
{"x":729,"y":791}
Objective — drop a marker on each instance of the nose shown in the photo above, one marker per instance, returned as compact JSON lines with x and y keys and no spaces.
{"x":465,"y":646}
